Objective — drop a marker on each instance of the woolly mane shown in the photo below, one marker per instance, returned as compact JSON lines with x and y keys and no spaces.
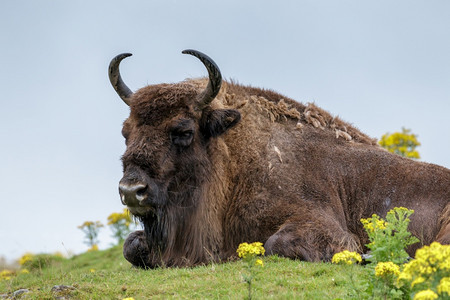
{"x":280,"y":108}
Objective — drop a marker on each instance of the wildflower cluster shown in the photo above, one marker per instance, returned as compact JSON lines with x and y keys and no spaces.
{"x":124,"y":216}
{"x":429,"y":270}
{"x":444,"y":286}
{"x":246,"y":250}
{"x":402,"y":143}
{"x":93,"y":248}
{"x":250,"y":253}
{"x":91,"y":230}
{"x":386,"y":269}
{"x":389,"y":238}
{"x":426,"y":295}
{"x":120,"y":224}
{"x":374,"y":223}
{"x":388,"y":241}
{"x":346,"y":257}
{"x":6,"y":275}
{"x":25,"y":258}
{"x":58,"y":254}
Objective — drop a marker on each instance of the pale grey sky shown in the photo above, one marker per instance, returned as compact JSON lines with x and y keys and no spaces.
{"x":380,"y":65}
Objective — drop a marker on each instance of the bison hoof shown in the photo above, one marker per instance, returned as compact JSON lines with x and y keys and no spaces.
{"x":135,"y":249}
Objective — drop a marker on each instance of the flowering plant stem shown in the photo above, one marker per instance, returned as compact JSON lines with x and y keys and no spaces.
{"x":249,"y":253}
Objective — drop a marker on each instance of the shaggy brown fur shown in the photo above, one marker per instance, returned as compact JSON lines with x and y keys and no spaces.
{"x":258,"y":166}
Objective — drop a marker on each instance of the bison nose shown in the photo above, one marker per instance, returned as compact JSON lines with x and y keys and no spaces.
{"x":133,"y":194}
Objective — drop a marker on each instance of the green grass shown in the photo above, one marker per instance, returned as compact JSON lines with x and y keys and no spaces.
{"x":107,"y":275}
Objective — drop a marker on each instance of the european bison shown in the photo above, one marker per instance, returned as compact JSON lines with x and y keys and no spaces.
{"x":210,"y":164}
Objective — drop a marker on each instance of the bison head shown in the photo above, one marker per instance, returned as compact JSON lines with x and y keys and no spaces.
{"x":168,"y":136}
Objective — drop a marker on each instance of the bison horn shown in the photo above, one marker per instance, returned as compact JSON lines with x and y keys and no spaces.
{"x":116,"y":80}
{"x":215,"y":79}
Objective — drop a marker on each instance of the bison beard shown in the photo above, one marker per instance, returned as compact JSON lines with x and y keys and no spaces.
{"x":170,"y":236}
{"x":211,"y":164}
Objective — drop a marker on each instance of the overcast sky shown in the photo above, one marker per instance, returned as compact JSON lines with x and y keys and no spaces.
{"x":379,"y":65}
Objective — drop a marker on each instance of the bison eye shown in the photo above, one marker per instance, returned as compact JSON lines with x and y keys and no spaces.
{"x":182,"y":137}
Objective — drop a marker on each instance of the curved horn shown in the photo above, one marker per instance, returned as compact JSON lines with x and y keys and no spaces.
{"x":215,"y":79}
{"x":116,"y":80}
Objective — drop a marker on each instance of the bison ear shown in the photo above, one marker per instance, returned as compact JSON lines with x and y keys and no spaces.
{"x":216,"y":122}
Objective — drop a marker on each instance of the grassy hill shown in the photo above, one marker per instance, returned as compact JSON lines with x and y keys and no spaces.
{"x":107,"y":275}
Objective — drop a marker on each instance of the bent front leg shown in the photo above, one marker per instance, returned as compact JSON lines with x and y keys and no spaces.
{"x":136,"y":251}
{"x":311,"y":241}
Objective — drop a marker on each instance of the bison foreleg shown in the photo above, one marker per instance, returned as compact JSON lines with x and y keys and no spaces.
{"x":310,"y":241}
{"x":136,"y":251}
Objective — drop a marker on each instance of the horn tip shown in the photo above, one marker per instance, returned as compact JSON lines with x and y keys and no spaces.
{"x":188,"y":51}
{"x":122,"y":56}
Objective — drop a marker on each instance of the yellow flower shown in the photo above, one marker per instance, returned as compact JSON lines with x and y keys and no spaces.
{"x":115,"y":218}
{"x":384,"y":269}
{"x":404,"y":276}
{"x":259,"y":262}
{"x":444,"y":286}
{"x":129,"y":298}
{"x":346,"y":257}
{"x":401,"y":143}
{"x":374,"y":223}
{"x":93,"y":248}
{"x":88,"y":224}
{"x":58,"y":254}
{"x":418,"y":280}
{"x":246,"y":250}
{"x":92,"y":270}
{"x":400,"y":209}
{"x":430,"y":265}
{"x":426,"y":295}
{"x":6,"y":275}
{"x":26,"y":257}
{"x":24,"y":271}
